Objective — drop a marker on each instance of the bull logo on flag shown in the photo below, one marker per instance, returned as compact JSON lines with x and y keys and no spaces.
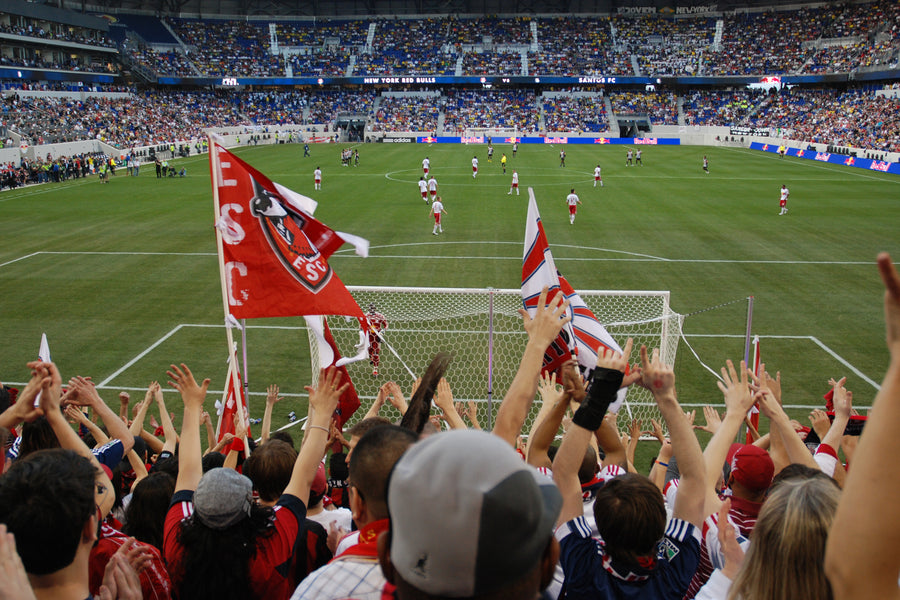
{"x":284,"y":230}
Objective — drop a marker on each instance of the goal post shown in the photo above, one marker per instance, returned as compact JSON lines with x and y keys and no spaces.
{"x":482,"y":330}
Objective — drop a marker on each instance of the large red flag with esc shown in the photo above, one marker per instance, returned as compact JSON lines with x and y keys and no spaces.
{"x":274,"y":253}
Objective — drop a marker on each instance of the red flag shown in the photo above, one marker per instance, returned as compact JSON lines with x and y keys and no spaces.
{"x":274,"y":254}
{"x":228,"y":408}
{"x":328,"y":356}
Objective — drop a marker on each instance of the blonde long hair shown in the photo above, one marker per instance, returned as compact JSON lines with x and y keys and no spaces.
{"x":787,"y":546}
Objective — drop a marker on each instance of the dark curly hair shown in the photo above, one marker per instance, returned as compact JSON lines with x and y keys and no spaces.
{"x":216,"y":563}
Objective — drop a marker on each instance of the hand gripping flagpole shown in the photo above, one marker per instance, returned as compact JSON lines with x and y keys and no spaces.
{"x":217,"y":179}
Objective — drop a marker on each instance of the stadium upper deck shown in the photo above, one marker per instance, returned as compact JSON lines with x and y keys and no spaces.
{"x":849,"y":39}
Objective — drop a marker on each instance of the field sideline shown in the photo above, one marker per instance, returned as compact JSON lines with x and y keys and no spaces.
{"x":123,"y":277}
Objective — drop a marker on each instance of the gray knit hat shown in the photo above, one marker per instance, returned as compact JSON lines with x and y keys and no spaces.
{"x":223,"y":498}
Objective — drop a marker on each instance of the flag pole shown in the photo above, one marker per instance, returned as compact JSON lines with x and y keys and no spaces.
{"x":215,"y":173}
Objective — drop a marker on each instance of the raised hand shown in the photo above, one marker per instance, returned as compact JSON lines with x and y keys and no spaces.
{"x":713,"y":420}
{"x":325,"y":397}
{"x":549,"y":318}
{"x":272,"y":397}
{"x":736,"y":391}
{"x":183,"y":380}
{"x":656,"y":376}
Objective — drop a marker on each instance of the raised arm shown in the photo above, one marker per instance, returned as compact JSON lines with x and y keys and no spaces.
{"x":74,"y":414}
{"x":558,"y":401}
{"x":83,"y":393}
{"x":322,"y":402}
{"x":659,"y":378}
{"x":51,"y":388}
{"x":781,"y":428}
{"x":861,"y":560}
{"x":738,"y":400}
{"x":272,"y":398}
{"x":548,"y":320}
{"x":443,"y":399}
{"x":166,"y":421}
{"x":549,"y":395}
{"x":190,"y":465}
{"x":607,"y":378}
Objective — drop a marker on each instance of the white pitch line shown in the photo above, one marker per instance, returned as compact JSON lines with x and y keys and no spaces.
{"x":9,"y":262}
{"x":608,"y":259}
{"x":140,"y":356}
{"x":841,"y":360}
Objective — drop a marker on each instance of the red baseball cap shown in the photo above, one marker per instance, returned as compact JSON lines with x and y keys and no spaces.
{"x":752,"y":467}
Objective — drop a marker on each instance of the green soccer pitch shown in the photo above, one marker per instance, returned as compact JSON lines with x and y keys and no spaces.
{"x":124,"y":279}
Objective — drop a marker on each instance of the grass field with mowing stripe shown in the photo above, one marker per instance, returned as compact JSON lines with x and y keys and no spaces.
{"x":125,"y":274}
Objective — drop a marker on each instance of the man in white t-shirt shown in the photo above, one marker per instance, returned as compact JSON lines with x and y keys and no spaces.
{"x":317,"y":176}
{"x":474,"y":167}
{"x":515,"y":184}
{"x":426,"y":164}
{"x":573,"y":202}
{"x":423,"y":188}
{"x":597,"y":177}
{"x":437,"y":209}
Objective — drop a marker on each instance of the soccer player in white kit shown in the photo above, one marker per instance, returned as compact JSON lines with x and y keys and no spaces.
{"x":423,"y":188}
{"x":597,"y":177}
{"x":474,"y":167}
{"x":437,"y":209}
{"x":317,"y":177}
{"x":573,"y":202}
{"x":432,"y":187}
{"x":426,"y":164}
{"x":783,"y":202}
{"x":515,"y":184}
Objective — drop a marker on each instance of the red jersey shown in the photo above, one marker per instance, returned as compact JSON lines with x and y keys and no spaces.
{"x":155,"y":582}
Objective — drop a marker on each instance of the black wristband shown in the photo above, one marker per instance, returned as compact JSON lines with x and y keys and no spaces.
{"x":605,"y":385}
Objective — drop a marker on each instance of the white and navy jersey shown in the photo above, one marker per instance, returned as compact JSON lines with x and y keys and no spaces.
{"x":592,"y":574}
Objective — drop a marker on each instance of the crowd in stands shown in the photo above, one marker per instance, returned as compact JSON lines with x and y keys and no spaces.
{"x":406,"y":113}
{"x":716,"y":107}
{"x":763,"y":43}
{"x":28,"y":27}
{"x":329,"y":64}
{"x":492,"y":63}
{"x":564,"y":113}
{"x":118,"y":502}
{"x":234,"y":48}
{"x":502,"y":109}
{"x":577,"y":46}
{"x":412,"y":47}
{"x":322,"y":32}
{"x":856,"y":117}
{"x":851,"y":118}
{"x":660,"y":106}
{"x":143,"y":119}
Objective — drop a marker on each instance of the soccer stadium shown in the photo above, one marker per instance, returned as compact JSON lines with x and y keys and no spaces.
{"x":252,"y":191}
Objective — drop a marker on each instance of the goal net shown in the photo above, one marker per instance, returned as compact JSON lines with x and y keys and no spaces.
{"x":483,"y":331}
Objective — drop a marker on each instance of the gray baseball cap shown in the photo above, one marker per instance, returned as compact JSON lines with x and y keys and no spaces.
{"x":468,"y":516}
{"x":223,"y":498}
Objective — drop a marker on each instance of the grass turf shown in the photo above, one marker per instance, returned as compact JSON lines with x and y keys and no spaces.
{"x":127,"y":271}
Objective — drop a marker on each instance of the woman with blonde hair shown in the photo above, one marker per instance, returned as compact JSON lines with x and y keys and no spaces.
{"x":786,"y":555}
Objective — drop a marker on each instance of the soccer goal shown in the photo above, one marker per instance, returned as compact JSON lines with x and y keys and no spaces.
{"x":497,"y":134}
{"x":483,"y":331}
